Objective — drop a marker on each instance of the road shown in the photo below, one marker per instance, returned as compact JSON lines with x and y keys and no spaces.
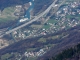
{"x":35,"y":19}
{"x":55,"y":10}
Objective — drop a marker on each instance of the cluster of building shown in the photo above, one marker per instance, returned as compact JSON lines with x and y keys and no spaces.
{"x":67,"y":16}
{"x":35,"y":54}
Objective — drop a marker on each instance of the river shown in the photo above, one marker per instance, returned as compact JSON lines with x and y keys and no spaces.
{"x":26,"y":16}
{"x":29,"y":9}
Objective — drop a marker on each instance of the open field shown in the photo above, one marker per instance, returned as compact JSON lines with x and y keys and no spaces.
{"x":8,"y":14}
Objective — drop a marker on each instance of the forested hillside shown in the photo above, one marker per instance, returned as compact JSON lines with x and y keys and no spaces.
{"x":38,"y":3}
{"x":7,"y":3}
{"x":41,"y":4}
{"x":57,"y":42}
{"x":68,"y":41}
{"x":68,"y":54}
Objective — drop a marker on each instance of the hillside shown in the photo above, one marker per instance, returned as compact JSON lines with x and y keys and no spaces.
{"x":41,"y":5}
{"x":7,"y":3}
{"x":69,"y":41}
{"x":72,"y":53}
{"x":38,"y":3}
{"x":54,"y":42}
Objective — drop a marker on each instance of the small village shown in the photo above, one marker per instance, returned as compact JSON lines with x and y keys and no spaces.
{"x":35,"y":54}
{"x":66,"y":17}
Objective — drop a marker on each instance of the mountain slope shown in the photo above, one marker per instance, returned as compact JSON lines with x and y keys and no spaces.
{"x":72,"y":53}
{"x":58,"y":44}
{"x":7,"y":3}
{"x":71,"y":40}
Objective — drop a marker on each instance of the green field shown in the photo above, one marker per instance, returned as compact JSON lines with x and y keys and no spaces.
{"x":51,"y":21}
{"x":42,"y":40}
{"x":5,"y":57}
{"x":46,"y":26}
{"x":7,"y":14}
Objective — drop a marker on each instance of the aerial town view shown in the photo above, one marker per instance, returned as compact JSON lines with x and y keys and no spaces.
{"x":40,"y":30}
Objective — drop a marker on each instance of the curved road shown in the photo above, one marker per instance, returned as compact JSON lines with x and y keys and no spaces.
{"x":35,"y":19}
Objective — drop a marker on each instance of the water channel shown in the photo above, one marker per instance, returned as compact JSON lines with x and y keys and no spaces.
{"x":26,"y":16}
{"x":29,"y":9}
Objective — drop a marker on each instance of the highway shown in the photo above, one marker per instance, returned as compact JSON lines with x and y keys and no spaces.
{"x":35,"y":19}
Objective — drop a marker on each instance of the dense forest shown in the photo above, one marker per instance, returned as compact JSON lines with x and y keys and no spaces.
{"x":7,"y":24}
{"x":68,"y":54}
{"x":40,"y":4}
{"x":7,"y":3}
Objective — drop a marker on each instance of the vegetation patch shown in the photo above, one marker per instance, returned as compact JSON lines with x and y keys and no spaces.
{"x":68,"y":53}
{"x":51,"y":21}
{"x":42,"y":40}
{"x":8,"y":14}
